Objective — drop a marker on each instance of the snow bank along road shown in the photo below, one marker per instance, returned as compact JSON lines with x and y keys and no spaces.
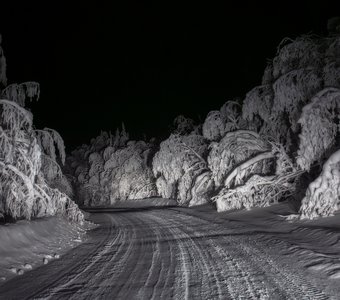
{"x":171,"y":253}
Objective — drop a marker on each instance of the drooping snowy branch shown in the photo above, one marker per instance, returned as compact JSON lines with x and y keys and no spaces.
{"x":234,"y":148}
{"x":20,"y":92}
{"x":14,"y":116}
{"x":249,"y":186}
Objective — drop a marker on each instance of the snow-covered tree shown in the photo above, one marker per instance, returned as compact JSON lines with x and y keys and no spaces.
{"x":301,"y":68}
{"x":24,"y":188}
{"x":320,"y":127}
{"x":323,"y":194}
{"x":257,"y":181}
{"x":298,"y":105}
{"x":112,"y":169}
{"x":233,"y":149}
{"x":218,"y":123}
{"x":320,"y":122}
{"x":181,"y":169}
{"x":128,"y":172}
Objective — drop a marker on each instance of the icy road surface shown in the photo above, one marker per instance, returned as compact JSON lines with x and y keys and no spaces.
{"x":172,"y":253}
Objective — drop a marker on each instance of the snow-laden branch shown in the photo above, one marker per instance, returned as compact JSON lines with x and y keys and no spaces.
{"x":245,"y":165}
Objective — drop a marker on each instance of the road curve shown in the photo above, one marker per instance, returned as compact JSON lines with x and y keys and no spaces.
{"x":165,"y":253}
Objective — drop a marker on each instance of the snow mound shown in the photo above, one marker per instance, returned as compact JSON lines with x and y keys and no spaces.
{"x":26,"y":244}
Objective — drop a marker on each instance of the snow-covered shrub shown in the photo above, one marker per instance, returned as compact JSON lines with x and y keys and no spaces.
{"x":323,"y":194}
{"x":178,"y":167}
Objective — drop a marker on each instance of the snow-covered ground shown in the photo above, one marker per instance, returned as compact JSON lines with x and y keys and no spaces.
{"x":140,"y":203}
{"x":28,"y":244}
{"x":193,"y":253}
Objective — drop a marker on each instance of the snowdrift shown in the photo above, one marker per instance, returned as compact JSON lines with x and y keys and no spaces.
{"x":28,"y":244}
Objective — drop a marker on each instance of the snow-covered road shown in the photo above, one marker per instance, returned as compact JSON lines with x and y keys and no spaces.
{"x":169,"y":253}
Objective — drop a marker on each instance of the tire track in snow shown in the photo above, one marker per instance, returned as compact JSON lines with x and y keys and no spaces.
{"x":65,"y":271}
{"x":236,"y":285}
{"x":288,"y":284}
{"x":193,"y":256}
{"x":59,"y":289}
{"x":171,"y":254}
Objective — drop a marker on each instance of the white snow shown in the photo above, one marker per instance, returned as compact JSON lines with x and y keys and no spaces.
{"x":27,"y":244}
{"x":149,"y":202}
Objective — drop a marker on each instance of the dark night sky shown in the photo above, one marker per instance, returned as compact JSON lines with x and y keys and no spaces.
{"x":143,"y":63}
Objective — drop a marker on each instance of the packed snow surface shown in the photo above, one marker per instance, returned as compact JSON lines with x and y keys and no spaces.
{"x":196,"y":253}
{"x":28,"y":244}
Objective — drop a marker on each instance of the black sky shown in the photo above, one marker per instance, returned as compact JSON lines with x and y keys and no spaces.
{"x":144,"y":63}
